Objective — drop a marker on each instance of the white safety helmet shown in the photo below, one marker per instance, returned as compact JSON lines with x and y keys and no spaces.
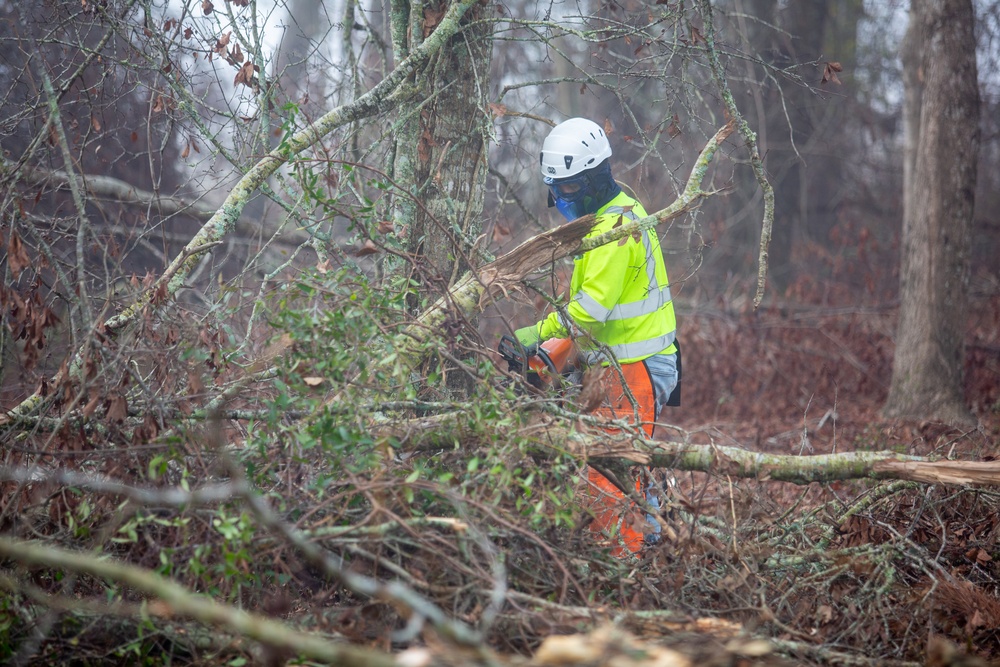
{"x":572,"y":147}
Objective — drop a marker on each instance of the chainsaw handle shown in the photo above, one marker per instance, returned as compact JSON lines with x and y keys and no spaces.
{"x":514,"y":353}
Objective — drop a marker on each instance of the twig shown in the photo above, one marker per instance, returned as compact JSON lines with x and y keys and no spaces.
{"x":175,"y":600}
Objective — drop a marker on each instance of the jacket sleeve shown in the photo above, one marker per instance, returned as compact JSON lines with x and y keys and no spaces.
{"x":601,"y":275}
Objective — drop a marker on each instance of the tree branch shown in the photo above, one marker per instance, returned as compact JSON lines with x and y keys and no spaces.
{"x":106,"y":186}
{"x":715,"y":459}
{"x":375,"y":101}
{"x":175,"y":600}
{"x":383,"y":95}
{"x":750,"y":138}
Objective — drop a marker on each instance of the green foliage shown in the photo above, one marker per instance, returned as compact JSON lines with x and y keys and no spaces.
{"x":340,"y":381}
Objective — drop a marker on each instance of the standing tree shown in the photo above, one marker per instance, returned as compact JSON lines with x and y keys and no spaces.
{"x":441,"y":147}
{"x":441,"y":153}
{"x":941,"y":125}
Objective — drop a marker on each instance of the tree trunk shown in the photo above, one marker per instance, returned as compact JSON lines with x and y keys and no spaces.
{"x":441,"y":155}
{"x":941,"y":120}
{"x":592,"y":443}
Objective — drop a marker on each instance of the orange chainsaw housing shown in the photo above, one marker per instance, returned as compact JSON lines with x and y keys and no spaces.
{"x":553,"y":357}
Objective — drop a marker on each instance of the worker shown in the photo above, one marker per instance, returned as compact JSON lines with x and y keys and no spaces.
{"x":620,"y":312}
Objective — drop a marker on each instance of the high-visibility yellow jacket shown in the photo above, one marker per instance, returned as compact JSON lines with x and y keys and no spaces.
{"x":620,"y":294}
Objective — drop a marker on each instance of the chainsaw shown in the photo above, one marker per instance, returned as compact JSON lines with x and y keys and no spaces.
{"x":542,"y":364}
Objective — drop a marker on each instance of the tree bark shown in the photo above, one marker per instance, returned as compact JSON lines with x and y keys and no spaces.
{"x":441,"y":152}
{"x":941,"y":120}
{"x":594,"y":444}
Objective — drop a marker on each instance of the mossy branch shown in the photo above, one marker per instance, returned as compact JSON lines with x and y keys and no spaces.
{"x":596,"y":444}
{"x":750,"y":139}
{"x":174,"y":600}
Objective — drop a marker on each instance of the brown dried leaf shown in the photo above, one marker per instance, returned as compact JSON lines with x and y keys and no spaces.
{"x":117,"y":408}
{"x":674,"y":128}
{"x":245,"y":75}
{"x":978,"y":555}
{"x":91,"y":405}
{"x":159,"y":295}
{"x":830,"y":72}
{"x":313,"y":381}
{"x":498,"y":110}
{"x":17,"y":258}
{"x":222,"y":43}
{"x":207,"y":6}
{"x":195,"y":384}
{"x":824,"y":613}
{"x":369,"y":248}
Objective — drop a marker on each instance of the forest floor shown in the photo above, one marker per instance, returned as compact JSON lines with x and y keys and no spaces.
{"x":757,"y":572}
{"x":813,"y":380}
{"x":811,"y":377}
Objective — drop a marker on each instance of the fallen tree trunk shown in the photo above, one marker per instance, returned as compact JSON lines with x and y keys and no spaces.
{"x":98,"y":186}
{"x":592,"y":443}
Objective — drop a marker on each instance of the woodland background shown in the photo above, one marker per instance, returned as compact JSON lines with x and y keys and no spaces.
{"x":253,"y":411}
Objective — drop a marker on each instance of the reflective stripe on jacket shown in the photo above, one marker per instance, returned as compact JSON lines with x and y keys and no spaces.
{"x":620,"y":293}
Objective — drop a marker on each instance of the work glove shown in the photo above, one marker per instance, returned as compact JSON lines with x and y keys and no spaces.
{"x":529,"y":338}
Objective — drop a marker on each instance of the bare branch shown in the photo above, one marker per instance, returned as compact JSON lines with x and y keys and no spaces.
{"x":107,"y":186}
{"x":750,"y":138}
{"x":175,"y":600}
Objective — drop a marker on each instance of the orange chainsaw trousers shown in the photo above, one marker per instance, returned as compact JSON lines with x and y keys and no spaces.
{"x":614,"y":514}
